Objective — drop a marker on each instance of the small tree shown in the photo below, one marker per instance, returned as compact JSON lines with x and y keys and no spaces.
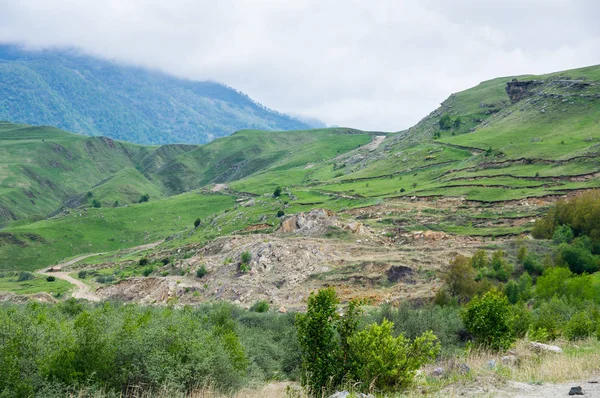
{"x":144,"y":198}
{"x":197,"y":223}
{"x":457,"y":121}
{"x":386,"y":362}
{"x":280,"y":213}
{"x":277,"y":192}
{"x":202,"y":271}
{"x":445,"y":122}
{"x":489,"y":319}
{"x":260,"y":306}
{"x":96,"y":203}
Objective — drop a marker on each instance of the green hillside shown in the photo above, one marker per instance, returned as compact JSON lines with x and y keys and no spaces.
{"x":89,"y":96}
{"x":480,"y":146}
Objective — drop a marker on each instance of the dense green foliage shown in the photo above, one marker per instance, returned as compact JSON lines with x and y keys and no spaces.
{"x":122,"y":348}
{"x":336,"y":351}
{"x":490,"y":320}
{"x":94,"y":97}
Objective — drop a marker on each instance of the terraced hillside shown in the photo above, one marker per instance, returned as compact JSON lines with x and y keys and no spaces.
{"x":376,"y":214}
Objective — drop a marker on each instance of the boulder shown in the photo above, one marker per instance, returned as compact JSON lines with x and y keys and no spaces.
{"x":545,"y":347}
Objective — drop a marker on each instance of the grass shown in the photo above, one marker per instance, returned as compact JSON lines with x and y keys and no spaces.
{"x":101,"y":230}
{"x":9,"y":283}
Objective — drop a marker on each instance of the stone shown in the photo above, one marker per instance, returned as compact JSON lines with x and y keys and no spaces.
{"x":282,"y":310}
{"x":509,"y":360}
{"x":438,"y":372}
{"x":545,"y":347}
{"x":464,"y":368}
{"x":491,"y":364}
{"x":576,"y":391}
{"x":340,"y":394}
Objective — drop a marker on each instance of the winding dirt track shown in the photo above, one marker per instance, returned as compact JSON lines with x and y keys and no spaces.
{"x":83,"y":290}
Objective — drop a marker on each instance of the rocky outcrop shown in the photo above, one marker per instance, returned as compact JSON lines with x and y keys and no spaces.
{"x":517,"y":90}
{"x":316,"y":222}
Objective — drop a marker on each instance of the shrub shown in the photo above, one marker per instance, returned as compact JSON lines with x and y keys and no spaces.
{"x":318,"y":343}
{"x":260,"y":306}
{"x":562,"y":234}
{"x":25,"y":276}
{"x":96,"y":203}
{"x":578,"y":259}
{"x":579,"y":326}
{"x":551,"y":316}
{"x":457,"y":121}
{"x":116,"y":204}
{"x":280,"y":213}
{"x":480,"y":259}
{"x":197,"y":223}
{"x":512,"y":291}
{"x":50,"y":278}
{"x":144,"y":198}
{"x":245,"y":258}
{"x":201,"y":271}
{"x":521,"y":253}
{"x":460,"y":279}
{"x":385,"y":362}
{"x":402,"y":190}
{"x":489,"y":319}
{"x":445,"y":122}
{"x":143,"y":261}
{"x":532,"y":265}
{"x":148,"y":271}
{"x":277,"y":192}
{"x":82,"y":274}
{"x":165,"y":260}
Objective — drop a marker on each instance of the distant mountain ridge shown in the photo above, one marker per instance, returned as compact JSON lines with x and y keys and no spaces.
{"x":94,"y":97}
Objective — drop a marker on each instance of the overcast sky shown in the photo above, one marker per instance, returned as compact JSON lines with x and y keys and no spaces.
{"x":373,"y":64}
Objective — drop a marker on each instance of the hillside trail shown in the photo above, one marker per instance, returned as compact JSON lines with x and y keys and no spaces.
{"x":82,"y":289}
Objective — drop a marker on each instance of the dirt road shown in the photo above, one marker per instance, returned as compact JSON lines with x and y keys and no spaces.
{"x":83,"y":290}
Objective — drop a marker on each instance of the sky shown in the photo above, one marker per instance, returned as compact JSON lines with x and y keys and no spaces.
{"x":374,"y":65}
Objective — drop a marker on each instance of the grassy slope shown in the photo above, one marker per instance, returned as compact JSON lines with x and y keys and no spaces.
{"x":99,"y":230}
{"x":328,"y":168}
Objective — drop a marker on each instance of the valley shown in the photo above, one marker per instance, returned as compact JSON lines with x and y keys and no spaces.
{"x":491,"y":199}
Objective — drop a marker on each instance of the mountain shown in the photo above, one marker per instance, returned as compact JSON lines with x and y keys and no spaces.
{"x":94,"y":97}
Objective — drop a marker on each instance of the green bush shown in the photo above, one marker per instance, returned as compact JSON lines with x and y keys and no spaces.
{"x":82,"y":274}
{"x":563,"y":234}
{"x":552,"y":315}
{"x":197,"y":223}
{"x":578,"y":259}
{"x":277,"y":192}
{"x":143,"y":261}
{"x":201,"y":271}
{"x":148,"y":271}
{"x":96,"y":203}
{"x":385,"y":362}
{"x":50,"y":278}
{"x":260,"y":306}
{"x":445,"y":122}
{"x":144,"y":198}
{"x":412,"y":321}
{"x":25,"y":276}
{"x":580,"y":326}
{"x":319,"y":344}
{"x":280,"y":213}
{"x":532,"y":265}
{"x":489,"y":319}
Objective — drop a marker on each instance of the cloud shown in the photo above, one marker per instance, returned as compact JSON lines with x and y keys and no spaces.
{"x":379,"y":65}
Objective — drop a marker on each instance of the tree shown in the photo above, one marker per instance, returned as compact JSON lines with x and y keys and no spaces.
{"x":489,"y":319}
{"x":317,"y":338}
{"x":144,"y":198}
{"x":386,"y":362}
{"x":457,"y":121}
{"x":445,"y":122}
{"x":197,"y":223}
{"x":280,"y":213}
{"x":96,"y":203}
{"x":277,"y":192}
